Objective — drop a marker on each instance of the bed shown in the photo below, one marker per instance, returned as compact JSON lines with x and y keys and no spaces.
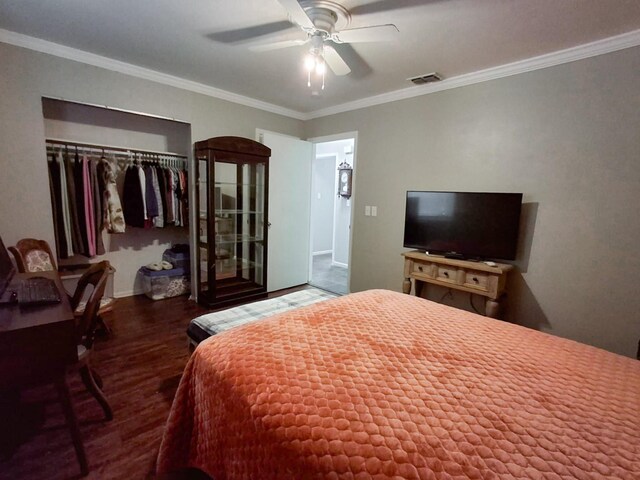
{"x":384,"y":385}
{"x":204,"y":326}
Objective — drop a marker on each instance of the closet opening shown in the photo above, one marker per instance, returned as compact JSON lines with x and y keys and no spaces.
{"x":117,"y":141}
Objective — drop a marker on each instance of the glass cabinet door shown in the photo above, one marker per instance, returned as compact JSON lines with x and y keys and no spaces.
{"x":239,"y":226}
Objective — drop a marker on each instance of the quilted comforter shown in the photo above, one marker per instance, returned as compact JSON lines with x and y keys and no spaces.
{"x":384,"y":385}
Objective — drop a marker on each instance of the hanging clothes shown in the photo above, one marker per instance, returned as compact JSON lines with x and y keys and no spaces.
{"x":171,"y":217}
{"x":150,"y":197}
{"x":85,"y":200}
{"x":66,"y":211}
{"x":56,"y":204}
{"x":184,"y":203}
{"x":143,"y":188}
{"x":133,"y":200}
{"x":96,"y":193}
{"x":78,"y":179}
{"x":163,"y":198}
{"x":177,"y":196}
{"x":88,"y":208}
{"x":112,"y":213}
{"x":158,"y":220}
{"x":76,"y":233}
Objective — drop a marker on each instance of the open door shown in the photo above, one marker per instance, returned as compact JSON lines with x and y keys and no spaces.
{"x":289,"y":209}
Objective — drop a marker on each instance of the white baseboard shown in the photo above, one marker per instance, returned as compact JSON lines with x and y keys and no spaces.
{"x":323,"y":252}
{"x":338,"y":264}
{"x":128,"y":293}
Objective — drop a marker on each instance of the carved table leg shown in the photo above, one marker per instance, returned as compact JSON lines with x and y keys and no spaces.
{"x":492,"y":308}
{"x":406,"y":286}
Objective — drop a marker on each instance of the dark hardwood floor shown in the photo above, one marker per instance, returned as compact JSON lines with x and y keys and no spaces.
{"x":140,"y":363}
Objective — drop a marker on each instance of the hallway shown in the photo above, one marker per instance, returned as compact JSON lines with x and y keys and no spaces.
{"x":327,"y":276}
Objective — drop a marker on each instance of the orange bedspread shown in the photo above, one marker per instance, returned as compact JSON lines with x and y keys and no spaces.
{"x":385,"y":385}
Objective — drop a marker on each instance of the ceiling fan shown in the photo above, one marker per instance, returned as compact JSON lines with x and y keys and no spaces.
{"x":324,"y":23}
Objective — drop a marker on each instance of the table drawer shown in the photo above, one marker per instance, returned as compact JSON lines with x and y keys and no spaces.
{"x":424,"y":269}
{"x":447,"y":274}
{"x":477,"y":280}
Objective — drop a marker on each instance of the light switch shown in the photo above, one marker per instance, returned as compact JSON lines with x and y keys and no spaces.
{"x":319,"y":196}
{"x":374,"y":211}
{"x":367,"y":211}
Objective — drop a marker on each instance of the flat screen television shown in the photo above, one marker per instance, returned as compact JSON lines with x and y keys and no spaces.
{"x":463,"y":224}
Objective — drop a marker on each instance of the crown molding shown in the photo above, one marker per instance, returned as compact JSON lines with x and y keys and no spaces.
{"x":51,"y":48}
{"x":599,"y":47}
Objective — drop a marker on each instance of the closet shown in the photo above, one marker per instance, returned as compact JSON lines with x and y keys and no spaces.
{"x":231,"y":200}
{"x":132,"y":203}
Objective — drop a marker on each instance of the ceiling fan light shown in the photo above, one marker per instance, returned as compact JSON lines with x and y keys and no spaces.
{"x":309,"y":62}
{"x":320,"y":66}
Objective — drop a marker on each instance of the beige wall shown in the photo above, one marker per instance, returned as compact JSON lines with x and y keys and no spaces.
{"x":26,"y":76}
{"x":568,"y":137}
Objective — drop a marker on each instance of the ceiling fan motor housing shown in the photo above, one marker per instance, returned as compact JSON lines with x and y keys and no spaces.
{"x":326,"y":16}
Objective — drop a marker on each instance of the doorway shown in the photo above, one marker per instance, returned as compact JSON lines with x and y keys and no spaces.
{"x":331,"y":213}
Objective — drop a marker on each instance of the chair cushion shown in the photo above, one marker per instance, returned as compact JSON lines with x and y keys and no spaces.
{"x":38,"y":261}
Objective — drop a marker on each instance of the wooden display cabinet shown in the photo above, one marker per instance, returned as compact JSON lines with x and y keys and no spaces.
{"x":232,"y":181}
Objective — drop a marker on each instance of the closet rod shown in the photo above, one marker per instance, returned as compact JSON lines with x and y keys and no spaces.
{"x":57,"y":141}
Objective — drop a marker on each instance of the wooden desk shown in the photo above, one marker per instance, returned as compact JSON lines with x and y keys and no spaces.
{"x":37,"y":344}
{"x":463,"y":275}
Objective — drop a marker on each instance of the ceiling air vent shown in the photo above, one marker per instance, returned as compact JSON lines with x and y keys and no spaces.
{"x":428,"y":78}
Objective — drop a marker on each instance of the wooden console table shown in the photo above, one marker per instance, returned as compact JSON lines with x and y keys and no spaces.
{"x":463,"y":275}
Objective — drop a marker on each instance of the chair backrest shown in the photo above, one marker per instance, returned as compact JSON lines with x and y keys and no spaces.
{"x":33,"y":256}
{"x":96,"y":276}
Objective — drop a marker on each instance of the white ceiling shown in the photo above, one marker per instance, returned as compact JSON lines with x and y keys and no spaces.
{"x":452,"y":37}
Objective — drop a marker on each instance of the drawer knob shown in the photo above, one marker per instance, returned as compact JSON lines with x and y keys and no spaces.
{"x":446,"y":274}
{"x":420,"y":268}
{"x":475,"y":279}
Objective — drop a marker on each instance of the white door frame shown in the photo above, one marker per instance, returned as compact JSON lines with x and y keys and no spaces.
{"x":332,"y":138}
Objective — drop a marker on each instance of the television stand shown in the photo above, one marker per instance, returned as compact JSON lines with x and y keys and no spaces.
{"x":462,"y":275}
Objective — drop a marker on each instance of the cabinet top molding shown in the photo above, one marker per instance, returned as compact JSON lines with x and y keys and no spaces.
{"x":242,"y":145}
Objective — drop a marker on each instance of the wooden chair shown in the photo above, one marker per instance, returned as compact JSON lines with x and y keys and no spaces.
{"x":33,"y":256}
{"x":105,"y":306}
{"x":86,"y":326}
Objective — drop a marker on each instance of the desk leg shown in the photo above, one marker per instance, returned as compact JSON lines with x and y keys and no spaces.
{"x":72,"y":421}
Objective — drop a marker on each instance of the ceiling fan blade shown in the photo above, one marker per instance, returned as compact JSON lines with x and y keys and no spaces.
{"x":388,"y":5}
{"x":248,"y":33}
{"x":335,"y":62}
{"x":265,"y":47}
{"x":297,"y":13}
{"x":376,"y":33}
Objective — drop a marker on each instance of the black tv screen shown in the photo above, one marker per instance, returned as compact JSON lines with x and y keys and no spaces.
{"x":467,"y":224}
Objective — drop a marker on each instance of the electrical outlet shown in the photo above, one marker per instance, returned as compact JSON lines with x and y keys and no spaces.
{"x":374,"y":211}
{"x":367,"y":211}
